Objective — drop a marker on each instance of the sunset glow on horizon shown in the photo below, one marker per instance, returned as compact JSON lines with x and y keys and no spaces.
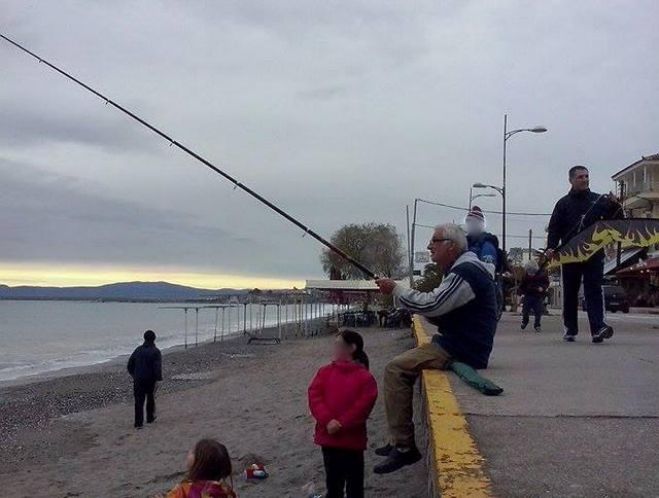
{"x":67,"y":275}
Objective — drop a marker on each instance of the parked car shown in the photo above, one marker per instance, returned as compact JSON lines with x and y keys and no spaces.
{"x":615,"y":299}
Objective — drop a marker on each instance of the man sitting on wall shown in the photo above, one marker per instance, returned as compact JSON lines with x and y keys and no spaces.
{"x":464,"y":309}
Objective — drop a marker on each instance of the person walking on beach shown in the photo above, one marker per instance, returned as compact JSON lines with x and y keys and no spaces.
{"x":533,"y":287}
{"x":464,"y":308}
{"x":573,"y":213}
{"x":341,"y":397}
{"x":209,"y":465}
{"x":145,"y":366}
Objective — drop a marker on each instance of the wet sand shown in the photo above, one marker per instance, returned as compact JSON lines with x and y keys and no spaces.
{"x":73,"y":436}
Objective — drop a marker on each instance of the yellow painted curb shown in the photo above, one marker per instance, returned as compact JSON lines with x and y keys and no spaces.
{"x":456,"y":463}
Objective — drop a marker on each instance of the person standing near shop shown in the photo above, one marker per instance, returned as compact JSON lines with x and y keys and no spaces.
{"x":573,"y":213}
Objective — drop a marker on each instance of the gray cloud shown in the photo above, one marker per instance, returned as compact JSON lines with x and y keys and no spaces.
{"x":47,"y":217}
{"x":23,"y":127}
{"x":323,"y":92}
{"x":339,"y":112}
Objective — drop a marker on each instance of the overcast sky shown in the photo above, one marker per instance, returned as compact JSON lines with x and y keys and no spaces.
{"x":339,"y":112}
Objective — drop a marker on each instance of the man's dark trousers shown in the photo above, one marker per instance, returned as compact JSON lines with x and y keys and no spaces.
{"x":144,"y":390}
{"x":592,"y":273}
{"x":535,"y":305}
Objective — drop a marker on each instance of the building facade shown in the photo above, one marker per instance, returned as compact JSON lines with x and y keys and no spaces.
{"x":638,"y":186}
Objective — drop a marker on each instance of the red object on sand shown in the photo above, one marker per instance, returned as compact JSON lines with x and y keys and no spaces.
{"x":256,"y":471}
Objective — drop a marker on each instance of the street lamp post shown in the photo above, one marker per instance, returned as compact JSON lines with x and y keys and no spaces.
{"x":483,"y":185}
{"x":472,"y":196}
{"x":413,"y":236}
{"x":410,"y":256}
{"x":506,"y":135}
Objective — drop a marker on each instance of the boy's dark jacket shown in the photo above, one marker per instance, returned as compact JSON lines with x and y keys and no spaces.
{"x":145,"y":364}
{"x":530,"y":284}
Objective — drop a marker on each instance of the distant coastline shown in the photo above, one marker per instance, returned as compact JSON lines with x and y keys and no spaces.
{"x":129,"y":292}
{"x":113,"y":300}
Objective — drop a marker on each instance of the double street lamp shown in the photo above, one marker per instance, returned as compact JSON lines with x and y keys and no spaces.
{"x":502,"y":190}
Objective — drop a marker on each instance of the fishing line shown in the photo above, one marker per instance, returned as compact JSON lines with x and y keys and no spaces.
{"x":306,"y":230}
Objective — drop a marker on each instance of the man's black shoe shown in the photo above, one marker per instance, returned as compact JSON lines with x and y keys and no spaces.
{"x":569,"y":337}
{"x":397,"y":460}
{"x":523,"y":326}
{"x":152,"y":420}
{"x":597,"y":339}
{"x":606,"y":332}
{"x":384,"y":450}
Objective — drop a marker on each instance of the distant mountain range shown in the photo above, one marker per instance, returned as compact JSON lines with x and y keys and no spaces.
{"x":125,"y":291}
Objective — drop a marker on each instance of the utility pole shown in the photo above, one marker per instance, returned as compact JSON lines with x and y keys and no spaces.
{"x":412,"y":237}
{"x":503,"y":186}
{"x":410,"y":256}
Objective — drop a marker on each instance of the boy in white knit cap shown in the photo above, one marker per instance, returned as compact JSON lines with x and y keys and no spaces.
{"x":482,"y":243}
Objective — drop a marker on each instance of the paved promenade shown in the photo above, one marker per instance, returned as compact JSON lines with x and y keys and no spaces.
{"x":575,"y":420}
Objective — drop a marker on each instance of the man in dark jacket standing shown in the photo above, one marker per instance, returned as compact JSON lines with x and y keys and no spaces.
{"x":145,"y":366}
{"x":573,"y":213}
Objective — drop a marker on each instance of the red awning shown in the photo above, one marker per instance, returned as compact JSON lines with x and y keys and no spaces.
{"x":649,"y":266}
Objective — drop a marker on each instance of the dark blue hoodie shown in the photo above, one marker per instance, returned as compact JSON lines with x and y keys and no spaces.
{"x":145,"y":364}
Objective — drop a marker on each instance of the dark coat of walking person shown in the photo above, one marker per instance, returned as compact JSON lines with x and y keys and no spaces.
{"x":533,"y":287}
{"x":145,"y":366}
{"x":573,"y":213}
{"x":464,"y":308}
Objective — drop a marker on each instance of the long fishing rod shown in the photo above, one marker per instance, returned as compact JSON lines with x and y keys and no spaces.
{"x":207,"y":163}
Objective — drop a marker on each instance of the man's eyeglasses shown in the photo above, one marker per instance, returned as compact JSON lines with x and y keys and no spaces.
{"x":436,"y":241}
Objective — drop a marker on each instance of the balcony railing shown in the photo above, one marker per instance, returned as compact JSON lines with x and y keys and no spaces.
{"x":640,"y":187}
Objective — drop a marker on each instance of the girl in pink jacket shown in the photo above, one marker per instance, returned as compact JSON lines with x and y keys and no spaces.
{"x":341,"y":397}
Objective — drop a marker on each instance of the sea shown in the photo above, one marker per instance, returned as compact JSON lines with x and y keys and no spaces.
{"x":38,"y":337}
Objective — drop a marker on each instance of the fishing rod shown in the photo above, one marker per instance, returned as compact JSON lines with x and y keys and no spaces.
{"x":199,"y":158}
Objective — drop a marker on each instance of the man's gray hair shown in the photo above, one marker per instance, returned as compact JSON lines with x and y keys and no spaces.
{"x":455,"y":233}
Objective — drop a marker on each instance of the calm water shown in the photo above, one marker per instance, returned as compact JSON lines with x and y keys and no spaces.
{"x":43,"y":336}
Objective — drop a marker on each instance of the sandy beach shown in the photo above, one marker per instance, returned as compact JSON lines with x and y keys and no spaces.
{"x":73,"y":436}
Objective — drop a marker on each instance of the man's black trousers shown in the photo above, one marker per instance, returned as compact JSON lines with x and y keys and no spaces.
{"x":144,"y":391}
{"x":591,"y":272}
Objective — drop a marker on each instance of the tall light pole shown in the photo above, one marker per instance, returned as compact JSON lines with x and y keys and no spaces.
{"x":410,"y":256}
{"x":506,"y":135}
{"x":413,"y":236}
